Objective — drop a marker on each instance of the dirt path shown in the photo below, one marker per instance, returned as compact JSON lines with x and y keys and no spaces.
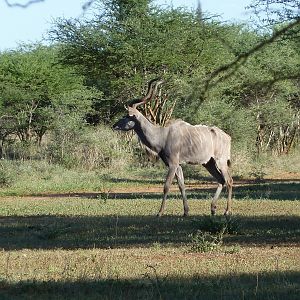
{"x":154,"y":188}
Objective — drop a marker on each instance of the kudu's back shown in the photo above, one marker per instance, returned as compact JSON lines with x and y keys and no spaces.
{"x":197,"y":144}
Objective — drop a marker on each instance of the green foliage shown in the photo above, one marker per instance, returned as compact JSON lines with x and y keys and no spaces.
{"x":35,"y":89}
{"x":88,"y":148}
{"x":219,"y":225}
{"x":96,"y":66}
{"x":6,"y":176}
{"x":121,"y":53}
{"x":206,"y":242}
{"x":209,"y":237}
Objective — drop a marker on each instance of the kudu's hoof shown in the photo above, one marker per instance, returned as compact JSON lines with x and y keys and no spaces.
{"x":213,"y":210}
{"x":227,"y":214}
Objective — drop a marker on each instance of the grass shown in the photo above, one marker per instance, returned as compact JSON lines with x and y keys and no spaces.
{"x":115,"y":248}
{"x":45,"y":178}
{"x":66,"y":234}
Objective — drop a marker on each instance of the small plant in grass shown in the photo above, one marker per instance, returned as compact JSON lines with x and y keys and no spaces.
{"x":6,"y":178}
{"x":216,"y":224}
{"x":103,"y":195}
{"x":210,"y":233}
{"x":206,"y":242}
{"x":157,"y":245}
{"x":233,"y":249}
{"x":258,"y":173}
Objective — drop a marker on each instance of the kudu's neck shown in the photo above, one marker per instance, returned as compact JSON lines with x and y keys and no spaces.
{"x":150,"y":135}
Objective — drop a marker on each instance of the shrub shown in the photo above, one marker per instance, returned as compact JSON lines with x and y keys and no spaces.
{"x":219,"y":224}
{"x":89,"y":148}
{"x":6,"y":176}
{"x":210,"y":233}
{"x":22,"y":150}
{"x":206,"y":242}
{"x":5,"y":179}
{"x":102,"y":148}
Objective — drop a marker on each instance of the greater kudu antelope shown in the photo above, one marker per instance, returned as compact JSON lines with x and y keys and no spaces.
{"x":181,"y":143}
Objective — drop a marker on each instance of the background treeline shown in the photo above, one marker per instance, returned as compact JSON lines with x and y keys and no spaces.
{"x":58,"y":102}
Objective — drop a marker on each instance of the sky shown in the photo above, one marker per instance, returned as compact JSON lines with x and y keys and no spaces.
{"x":29,"y":25}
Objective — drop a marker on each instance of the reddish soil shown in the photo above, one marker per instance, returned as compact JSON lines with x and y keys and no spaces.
{"x":158,"y":188}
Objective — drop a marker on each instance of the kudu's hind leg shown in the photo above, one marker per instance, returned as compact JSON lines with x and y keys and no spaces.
{"x":229,"y":184}
{"x":168,"y":182}
{"x":215,"y":172}
{"x":180,"y":181}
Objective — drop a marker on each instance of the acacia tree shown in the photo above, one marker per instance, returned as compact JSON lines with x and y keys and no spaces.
{"x":276,"y":11}
{"x":35,"y":90}
{"x":213,"y":70}
{"x":128,"y":43}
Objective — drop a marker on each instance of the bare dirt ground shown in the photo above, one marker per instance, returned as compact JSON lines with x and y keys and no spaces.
{"x":199,"y":186}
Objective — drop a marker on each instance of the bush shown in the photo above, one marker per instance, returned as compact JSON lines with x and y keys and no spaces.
{"x":6,"y":176}
{"x":206,"y":242}
{"x":89,"y":148}
{"x":219,"y":224}
{"x":211,"y":231}
{"x":5,"y":179}
{"x":102,"y":148}
{"x":22,"y":150}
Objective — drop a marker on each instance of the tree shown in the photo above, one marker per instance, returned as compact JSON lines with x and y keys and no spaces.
{"x":214,"y":73}
{"x":271,"y":12}
{"x":127,"y":44}
{"x":35,"y":89}
{"x":22,"y":5}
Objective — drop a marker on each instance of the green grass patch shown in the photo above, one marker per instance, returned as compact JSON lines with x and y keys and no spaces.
{"x":116,"y":248}
{"x":19,"y":178}
{"x":95,"y":235}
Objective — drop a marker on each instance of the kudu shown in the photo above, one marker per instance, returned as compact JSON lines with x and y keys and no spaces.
{"x":181,"y":143}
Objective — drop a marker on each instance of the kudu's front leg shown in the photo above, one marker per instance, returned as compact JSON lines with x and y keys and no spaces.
{"x":168,"y":182}
{"x":215,"y":199}
{"x":180,"y":181}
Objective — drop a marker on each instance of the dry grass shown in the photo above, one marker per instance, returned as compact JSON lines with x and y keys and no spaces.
{"x":111,"y":246}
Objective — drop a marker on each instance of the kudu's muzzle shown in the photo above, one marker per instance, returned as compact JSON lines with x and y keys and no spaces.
{"x":116,"y":126}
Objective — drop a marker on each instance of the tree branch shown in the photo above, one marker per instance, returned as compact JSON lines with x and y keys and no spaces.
{"x":16,"y":4}
{"x":242,"y":58}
